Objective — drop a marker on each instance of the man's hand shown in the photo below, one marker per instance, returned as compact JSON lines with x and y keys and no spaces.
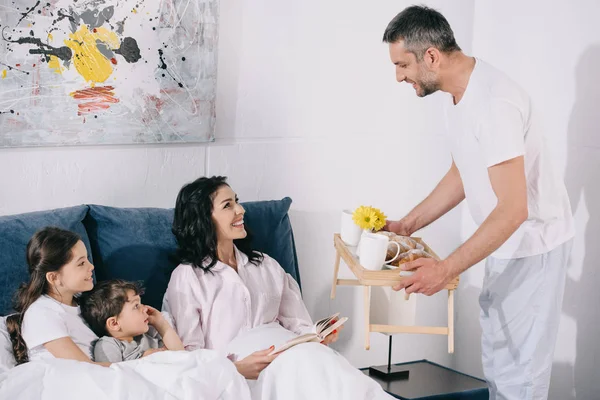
{"x":430,"y":276}
{"x":398,"y":227}
{"x":251,"y":366}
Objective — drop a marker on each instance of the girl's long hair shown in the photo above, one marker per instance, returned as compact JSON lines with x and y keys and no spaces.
{"x":195,"y":230}
{"x":48,"y":250}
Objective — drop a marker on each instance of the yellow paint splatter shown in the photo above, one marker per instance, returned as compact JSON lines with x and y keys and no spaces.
{"x":3,"y":74}
{"x":55,"y":66}
{"x":134,"y":11}
{"x":89,"y":62}
{"x":50,"y":37}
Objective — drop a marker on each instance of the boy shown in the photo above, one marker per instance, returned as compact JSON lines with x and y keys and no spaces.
{"x":115,"y":313}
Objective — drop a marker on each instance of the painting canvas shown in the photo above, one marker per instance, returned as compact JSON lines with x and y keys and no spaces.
{"x":81,"y":72}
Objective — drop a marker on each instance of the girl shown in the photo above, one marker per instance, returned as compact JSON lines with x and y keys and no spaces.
{"x":224,"y":289}
{"x":49,"y":322}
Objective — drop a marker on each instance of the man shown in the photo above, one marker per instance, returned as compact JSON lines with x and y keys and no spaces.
{"x":500,"y":165}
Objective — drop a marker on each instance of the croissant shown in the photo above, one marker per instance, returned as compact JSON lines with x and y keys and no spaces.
{"x":409,"y":256}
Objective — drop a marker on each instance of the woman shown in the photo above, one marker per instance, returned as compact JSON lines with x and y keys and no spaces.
{"x":224,"y":290}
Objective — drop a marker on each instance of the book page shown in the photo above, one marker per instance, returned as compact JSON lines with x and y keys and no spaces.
{"x":323,"y":334}
{"x":322,"y":327}
{"x":323,"y":323}
{"x":309,"y":337}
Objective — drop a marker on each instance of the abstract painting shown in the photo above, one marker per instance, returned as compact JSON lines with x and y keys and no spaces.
{"x":85,"y":72}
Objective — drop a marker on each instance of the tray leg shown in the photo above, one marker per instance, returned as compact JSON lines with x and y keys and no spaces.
{"x":451,"y":321}
{"x":367,"y":295}
{"x":336,"y":269}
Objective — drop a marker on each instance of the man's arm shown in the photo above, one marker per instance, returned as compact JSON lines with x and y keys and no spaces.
{"x":509,"y":185}
{"x":446,"y":195}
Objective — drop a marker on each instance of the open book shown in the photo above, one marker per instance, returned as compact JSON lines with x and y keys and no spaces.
{"x":322,"y":329}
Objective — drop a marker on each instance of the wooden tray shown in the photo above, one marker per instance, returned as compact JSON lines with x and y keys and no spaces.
{"x":367,"y":278}
{"x":384,"y":277}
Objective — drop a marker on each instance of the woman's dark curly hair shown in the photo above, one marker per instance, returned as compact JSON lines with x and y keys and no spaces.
{"x":195,"y":230}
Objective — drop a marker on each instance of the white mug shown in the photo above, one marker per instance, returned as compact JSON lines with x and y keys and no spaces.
{"x":373,"y":249}
{"x":350,"y":232}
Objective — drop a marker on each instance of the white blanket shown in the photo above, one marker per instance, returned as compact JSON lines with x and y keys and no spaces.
{"x":198,"y":375}
{"x":305,"y":372}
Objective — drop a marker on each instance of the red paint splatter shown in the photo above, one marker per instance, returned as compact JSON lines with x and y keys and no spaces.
{"x":33,"y":65}
{"x":35,"y":87}
{"x":95,"y":30}
{"x":100,"y":98}
{"x":113,"y":60}
{"x":157,"y":102}
{"x":17,"y":65}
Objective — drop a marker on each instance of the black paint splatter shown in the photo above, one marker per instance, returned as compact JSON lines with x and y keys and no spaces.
{"x":129,"y":50}
{"x":64,"y":53}
{"x":163,"y":65}
{"x":25,"y":14}
{"x":11,"y":68}
{"x":62,"y":16}
{"x":7,"y":112}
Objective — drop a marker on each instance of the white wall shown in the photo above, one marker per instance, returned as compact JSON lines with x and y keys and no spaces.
{"x":553,"y":50}
{"x":309,"y":108}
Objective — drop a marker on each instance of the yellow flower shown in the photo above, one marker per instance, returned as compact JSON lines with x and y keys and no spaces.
{"x":368,"y":217}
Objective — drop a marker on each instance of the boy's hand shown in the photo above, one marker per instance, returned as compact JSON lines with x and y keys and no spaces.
{"x":152,"y":351}
{"x":157,"y":320}
{"x":165,"y":330}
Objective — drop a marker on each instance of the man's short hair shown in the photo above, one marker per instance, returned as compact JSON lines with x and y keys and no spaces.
{"x":420,"y":28}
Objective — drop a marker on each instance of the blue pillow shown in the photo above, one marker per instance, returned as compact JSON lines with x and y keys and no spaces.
{"x":137,"y":244}
{"x":15,"y":232}
{"x":270,"y":226}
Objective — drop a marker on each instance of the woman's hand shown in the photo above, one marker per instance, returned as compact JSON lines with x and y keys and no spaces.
{"x":333,"y":336}
{"x":251,"y":366}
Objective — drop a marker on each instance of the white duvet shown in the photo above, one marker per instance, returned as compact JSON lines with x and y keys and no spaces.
{"x":198,"y":375}
{"x":309,"y":371}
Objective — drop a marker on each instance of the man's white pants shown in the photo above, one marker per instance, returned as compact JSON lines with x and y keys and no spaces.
{"x":521,"y":301}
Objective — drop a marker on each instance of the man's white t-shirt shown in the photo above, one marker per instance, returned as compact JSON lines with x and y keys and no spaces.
{"x":46,"y":320}
{"x":492,"y":123}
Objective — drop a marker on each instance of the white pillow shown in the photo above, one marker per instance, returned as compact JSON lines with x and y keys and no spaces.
{"x":7,"y":359}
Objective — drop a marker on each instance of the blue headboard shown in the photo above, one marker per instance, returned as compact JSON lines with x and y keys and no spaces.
{"x":134,"y":243}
